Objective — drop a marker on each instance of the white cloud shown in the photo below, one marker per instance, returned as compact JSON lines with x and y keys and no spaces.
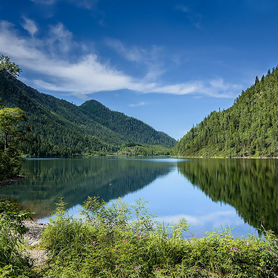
{"x":138,"y":104}
{"x":30,"y":26}
{"x":60,"y":39}
{"x":54,"y":60}
{"x":133,"y":54}
{"x":214,"y":88}
{"x":151,"y":59}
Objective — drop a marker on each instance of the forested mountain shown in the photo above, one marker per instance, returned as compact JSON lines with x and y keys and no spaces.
{"x":57,"y":127}
{"x":128,"y":127}
{"x":248,"y":129}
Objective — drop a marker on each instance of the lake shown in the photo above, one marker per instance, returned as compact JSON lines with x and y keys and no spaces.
{"x":211,"y":194}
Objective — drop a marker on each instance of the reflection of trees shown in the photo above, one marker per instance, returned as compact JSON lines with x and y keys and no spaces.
{"x":75,"y":180}
{"x":251,"y":186}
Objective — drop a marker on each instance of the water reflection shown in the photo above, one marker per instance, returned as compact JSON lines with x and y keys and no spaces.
{"x":208,"y":193}
{"x":250,"y":186}
{"x":76,"y":179}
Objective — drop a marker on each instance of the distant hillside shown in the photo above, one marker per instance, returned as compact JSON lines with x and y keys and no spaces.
{"x":128,"y":127}
{"x":60,"y":128}
{"x":248,"y":129}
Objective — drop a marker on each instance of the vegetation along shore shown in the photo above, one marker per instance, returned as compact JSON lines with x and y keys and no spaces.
{"x":119,"y":241}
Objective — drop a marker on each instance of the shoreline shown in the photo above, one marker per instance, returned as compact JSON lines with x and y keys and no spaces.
{"x":130,"y":156}
{"x":33,"y":240}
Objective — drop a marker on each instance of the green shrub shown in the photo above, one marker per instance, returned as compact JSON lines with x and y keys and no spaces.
{"x":13,"y":260}
{"x":115,"y":241}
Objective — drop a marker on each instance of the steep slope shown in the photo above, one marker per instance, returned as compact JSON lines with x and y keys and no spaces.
{"x":57,"y":127}
{"x":128,"y":127}
{"x":248,"y":129}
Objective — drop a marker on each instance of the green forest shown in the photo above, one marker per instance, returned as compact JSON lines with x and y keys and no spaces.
{"x":247,"y":129}
{"x":55,"y":127}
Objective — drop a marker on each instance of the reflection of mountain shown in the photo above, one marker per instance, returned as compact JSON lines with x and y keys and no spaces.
{"x":76,"y":179}
{"x":251,"y":186}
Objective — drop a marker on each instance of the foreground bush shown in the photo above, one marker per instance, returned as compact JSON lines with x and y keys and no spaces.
{"x":13,"y":259}
{"x":106,"y":243}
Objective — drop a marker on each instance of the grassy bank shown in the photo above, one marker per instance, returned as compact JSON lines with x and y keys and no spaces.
{"x":106,"y":243}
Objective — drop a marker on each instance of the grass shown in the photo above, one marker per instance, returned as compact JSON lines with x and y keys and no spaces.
{"x":121,"y":241}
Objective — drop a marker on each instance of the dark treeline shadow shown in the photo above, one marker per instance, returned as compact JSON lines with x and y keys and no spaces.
{"x":250,"y":186}
{"x":76,"y":179}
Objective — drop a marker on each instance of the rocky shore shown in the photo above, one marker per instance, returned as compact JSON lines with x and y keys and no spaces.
{"x":33,"y":241}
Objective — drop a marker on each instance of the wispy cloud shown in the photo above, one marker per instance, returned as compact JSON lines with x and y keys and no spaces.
{"x":215,"y":88}
{"x":133,"y":54}
{"x":59,"y":39}
{"x":30,"y":26}
{"x":193,"y":17}
{"x":138,"y":104}
{"x":183,"y":8}
{"x":86,"y":4}
{"x":54,"y":62}
{"x":149,"y":58}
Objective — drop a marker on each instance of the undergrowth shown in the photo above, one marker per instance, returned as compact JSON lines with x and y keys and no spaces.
{"x":14,"y":262}
{"x":117,"y":241}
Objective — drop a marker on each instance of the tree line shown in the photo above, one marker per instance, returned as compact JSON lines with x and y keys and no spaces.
{"x":247,"y":129}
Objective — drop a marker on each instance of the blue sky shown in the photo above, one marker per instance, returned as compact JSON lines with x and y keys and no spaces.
{"x":166,"y":62}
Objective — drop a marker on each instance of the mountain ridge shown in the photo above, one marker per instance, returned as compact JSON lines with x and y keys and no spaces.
{"x":60,"y":128}
{"x":122,"y":124}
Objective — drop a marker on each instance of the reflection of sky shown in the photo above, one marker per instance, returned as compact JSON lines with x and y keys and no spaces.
{"x":173,"y":197}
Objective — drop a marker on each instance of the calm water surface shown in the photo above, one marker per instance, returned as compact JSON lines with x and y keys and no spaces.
{"x":210,"y":194}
